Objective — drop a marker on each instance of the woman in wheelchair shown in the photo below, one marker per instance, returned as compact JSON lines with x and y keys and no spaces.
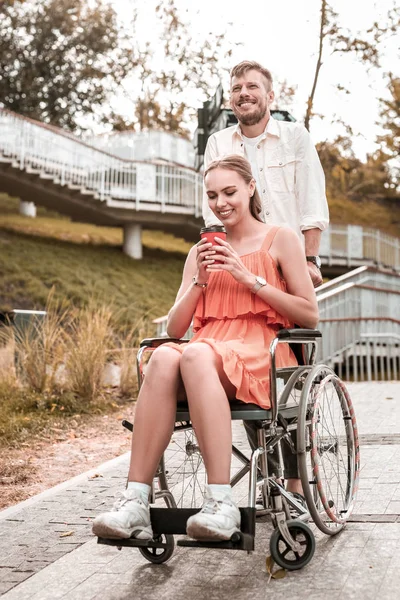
{"x":239,"y":293}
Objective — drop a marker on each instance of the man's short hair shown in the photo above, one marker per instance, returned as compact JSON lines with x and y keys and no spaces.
{"x":248,"y":65}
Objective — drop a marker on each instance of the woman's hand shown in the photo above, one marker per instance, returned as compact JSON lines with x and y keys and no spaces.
{"x":231,"y":262}
{"x":204,"y":258}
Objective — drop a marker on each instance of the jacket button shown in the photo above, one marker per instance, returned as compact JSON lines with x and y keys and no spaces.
{"x":280,"y":164}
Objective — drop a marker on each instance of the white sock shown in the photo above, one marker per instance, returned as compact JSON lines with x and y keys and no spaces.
{"x":219,"y":491}
{"x":141,"y":488}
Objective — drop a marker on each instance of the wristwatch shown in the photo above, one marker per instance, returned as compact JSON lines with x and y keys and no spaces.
{"x":260,"y":282}
{"x":315,"y":260}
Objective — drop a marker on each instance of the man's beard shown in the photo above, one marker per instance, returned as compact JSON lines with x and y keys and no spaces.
{"x":250,"y":119}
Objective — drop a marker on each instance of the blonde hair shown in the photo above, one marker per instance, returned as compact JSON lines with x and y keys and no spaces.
{"x":241,"y":166}
{"x":248,"y":65}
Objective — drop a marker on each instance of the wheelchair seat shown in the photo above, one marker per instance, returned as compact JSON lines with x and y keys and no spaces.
{"x":239,"y":411}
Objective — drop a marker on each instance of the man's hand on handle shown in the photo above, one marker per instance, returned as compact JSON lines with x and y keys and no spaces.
{"x":315,"y":274}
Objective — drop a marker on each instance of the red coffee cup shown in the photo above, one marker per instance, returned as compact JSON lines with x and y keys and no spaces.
{"x":210,"y":233}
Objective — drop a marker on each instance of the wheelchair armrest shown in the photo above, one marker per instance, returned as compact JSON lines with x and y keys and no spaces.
{"x":155,"y":342}
{"x":298,"y":335}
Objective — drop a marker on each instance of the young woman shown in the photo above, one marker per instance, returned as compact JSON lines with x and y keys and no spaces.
{"x":239,"y":293}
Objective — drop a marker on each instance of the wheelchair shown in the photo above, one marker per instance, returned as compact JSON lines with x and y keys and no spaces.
{"x":311,"y":411}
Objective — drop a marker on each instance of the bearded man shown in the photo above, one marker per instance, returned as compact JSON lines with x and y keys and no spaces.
{"x":290,"y":181}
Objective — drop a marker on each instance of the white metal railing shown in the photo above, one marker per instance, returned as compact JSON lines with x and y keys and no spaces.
{"x":364,"y":276}
{"x":352,"y":244}
{"x":369,"y":348}
{"x":66,"y":160}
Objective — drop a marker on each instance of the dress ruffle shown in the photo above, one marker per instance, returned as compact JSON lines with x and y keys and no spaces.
{"x":224,"y":298}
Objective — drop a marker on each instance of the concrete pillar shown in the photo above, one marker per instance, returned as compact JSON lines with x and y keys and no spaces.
{"x":28,"y":209}
{"x":133,"y":240}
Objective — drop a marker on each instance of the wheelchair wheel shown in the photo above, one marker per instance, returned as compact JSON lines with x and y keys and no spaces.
{"x":184,"y":474}
{"x":328,"y":449}
{"x":159,"y":555}
{"x":283,"y":554}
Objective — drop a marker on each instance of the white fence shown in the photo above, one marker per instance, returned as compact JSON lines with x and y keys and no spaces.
{"x":67,"y":161}
{"x":351,"y":245}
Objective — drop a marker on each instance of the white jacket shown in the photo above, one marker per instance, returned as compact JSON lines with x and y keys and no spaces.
{"x":291,"y":175}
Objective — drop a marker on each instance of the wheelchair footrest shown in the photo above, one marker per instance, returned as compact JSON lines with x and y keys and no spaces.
{"x":131,"y":543}
{"x":246,"y":542}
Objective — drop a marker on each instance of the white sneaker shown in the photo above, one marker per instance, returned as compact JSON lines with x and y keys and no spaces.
{"x":129,"y":517}
{"x":217,"y":520}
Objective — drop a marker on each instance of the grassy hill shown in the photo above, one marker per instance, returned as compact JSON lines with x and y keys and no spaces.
{"x":84,"y":262}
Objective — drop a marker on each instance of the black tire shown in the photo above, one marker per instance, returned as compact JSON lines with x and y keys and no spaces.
{"x":282,"y":553}
{"x":158,"y":556}
{"x":328,"y":450}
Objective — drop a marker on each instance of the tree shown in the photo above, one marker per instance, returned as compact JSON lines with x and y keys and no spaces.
{"x":390,"y":120}
{"x":61,"y":59}
{"x":178,"y":74}
{"x":364,"y":46}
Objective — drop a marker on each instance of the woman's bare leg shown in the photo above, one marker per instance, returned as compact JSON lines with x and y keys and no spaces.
{"x":208,"y":389}
{"x":155,"y":414}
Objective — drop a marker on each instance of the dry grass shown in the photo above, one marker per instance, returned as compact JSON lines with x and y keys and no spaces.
{"x":60,"y":362}
{"x":87,"y":348}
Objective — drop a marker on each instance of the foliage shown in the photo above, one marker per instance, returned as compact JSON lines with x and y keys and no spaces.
{"x":176,"y":74}
{"x":346,"y":175}
{"x":60,"y":59}
{"x":365,"y":45}
{"x":390,"y":120}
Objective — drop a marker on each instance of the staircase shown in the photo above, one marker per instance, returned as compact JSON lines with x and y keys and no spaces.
{"x":360,"y":324}
{"x":55,"y":169}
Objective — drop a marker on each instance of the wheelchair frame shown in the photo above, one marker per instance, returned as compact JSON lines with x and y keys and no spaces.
{"x":292,"y":543}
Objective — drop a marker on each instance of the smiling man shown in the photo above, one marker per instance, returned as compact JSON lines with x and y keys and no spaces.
{"x":284,"y":162}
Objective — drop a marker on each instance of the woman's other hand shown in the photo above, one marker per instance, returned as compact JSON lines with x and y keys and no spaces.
{"x":230,"y":261}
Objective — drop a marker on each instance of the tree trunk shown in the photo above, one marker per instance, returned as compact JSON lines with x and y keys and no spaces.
{"x":322,"y":34}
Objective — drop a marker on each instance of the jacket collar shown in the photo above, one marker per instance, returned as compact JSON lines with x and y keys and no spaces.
{"x":272,"y":128}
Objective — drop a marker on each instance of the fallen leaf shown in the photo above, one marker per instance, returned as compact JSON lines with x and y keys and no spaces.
{"x":66,"y":534}
{"x":278,"y":574}
{"x":95,"y":475}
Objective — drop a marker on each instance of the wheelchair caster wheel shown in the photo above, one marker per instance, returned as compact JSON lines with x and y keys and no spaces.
{"x":282,"y":553}
{"x":159,"y":555}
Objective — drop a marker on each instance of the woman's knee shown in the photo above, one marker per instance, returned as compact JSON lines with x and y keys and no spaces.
{"x":164,"y":363}
{"x":197,"y":356}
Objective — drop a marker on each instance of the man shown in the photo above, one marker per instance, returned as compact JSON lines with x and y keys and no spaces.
{"x":289,"y":178}
{"x":284,"y":161}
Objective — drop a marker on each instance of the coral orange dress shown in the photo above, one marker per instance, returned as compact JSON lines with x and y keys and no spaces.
{"x":240,"y":326}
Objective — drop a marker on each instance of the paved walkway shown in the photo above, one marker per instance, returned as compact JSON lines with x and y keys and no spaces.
{"x":47,"y":550}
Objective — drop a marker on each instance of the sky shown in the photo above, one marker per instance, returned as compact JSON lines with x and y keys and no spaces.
{"x":283,"y":36}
